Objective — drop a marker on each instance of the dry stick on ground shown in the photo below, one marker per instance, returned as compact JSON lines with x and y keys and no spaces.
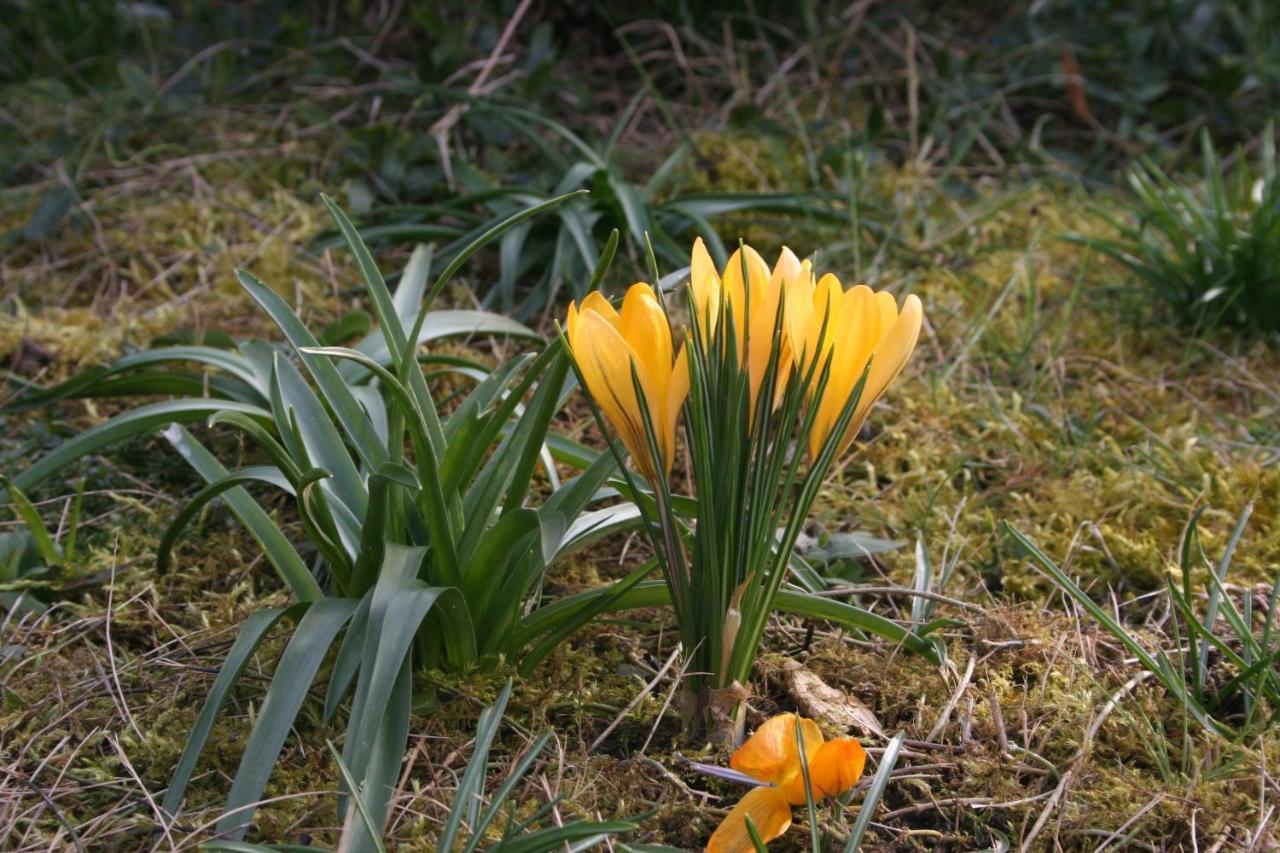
{"x":639,"y":697}
{"x":953,"y":701}
{"x":676,"y":681}
{"x":440,"y":130}
{"x":1078,"y":759}
{"x":1137,"y":816}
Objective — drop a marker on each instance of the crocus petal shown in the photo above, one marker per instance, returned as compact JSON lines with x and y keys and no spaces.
{"x":770,"y":754}
{"x":833,"y":769}
{"x":892,"y":351}
{"x":802,"y":331}
{"x":736,"y":290}
{"x":605,"y":359}
{"x":770,"y":813}
{"x":596,"y":303}
{"x":643,"y":324}
{"x":678,"y":387}
{"x":705,"y":284}
{"x":765,"y":301}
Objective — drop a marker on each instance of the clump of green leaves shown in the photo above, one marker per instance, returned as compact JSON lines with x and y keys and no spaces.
{"x":427,"y":551}
{"x":1210,"y":252}
{"x":33,"y":557}
{"x":547,"y":258}
{"x":1222,"y":668}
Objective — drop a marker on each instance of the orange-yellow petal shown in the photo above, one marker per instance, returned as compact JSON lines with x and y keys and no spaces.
{"x":739,"y":291}
{"x":770,"y":813}
{"x":770,"y":754}
{"x":596,"y":302}
{"x":704,"y":281}
{"x":833,"y":769}
{"x":892,"y":351}
{"x":643,"y":325}
{"x":605,"y":360}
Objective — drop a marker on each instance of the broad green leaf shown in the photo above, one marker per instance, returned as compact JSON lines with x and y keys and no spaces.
{"x":322,"y":442}
{"x":398,"y":607}
{"x":373,"y":794}
{"x":252,"y":632}
{"x":330,"y":382}
{"x":293,"y":676}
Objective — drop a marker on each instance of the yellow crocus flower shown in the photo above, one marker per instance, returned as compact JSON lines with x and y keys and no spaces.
{"x":772,"y":755}
{"x":606,"y":345}
{"x":758,"y":296}
{"x":861,"y":325}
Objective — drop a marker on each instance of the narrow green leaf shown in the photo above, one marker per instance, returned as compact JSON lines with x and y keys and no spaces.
{"x":140,"y":421}
{"x":279,"y":551}
{"x":251,"y":634}
{"x":296,"y":670}
{"x":29,"y":516}
{"x":373,"y":829}
{"x":466,"y":799}
{"x":888,"y":759}
{"x":245,"y":476}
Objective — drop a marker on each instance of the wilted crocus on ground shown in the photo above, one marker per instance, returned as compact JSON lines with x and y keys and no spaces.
{"x":772,"y":756}
{"x":825,"y":354}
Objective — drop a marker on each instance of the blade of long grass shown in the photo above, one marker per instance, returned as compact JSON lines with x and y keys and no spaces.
{"x":555,"y":837}
{"x":1215,"y":597}
{"x":888,"y":759}
{"x":372,"y":828}
{"x":514,"y":777}
{"x":471,"y":786}
{"x":1171,"y":682}
{"x":27,"y":513}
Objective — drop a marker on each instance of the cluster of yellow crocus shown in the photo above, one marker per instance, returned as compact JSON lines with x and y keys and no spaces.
{"x":821,"y":321}
{"x":772,"y":755}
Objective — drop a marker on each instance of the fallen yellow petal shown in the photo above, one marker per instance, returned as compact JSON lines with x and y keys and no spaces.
{"x":769,"y":811}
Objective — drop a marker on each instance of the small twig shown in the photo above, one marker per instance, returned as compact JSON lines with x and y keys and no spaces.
{"x":1078,"y":759}
{"x":440,"y":130}
{"x":666,"y":703}
{"x":639,"y":697}
{"x":997,"y":719}
{"x":111,"y":656}
{"x":945,"y":716}
{"x":1138,"y":815}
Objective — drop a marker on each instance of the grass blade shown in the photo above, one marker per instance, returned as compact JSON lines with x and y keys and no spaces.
{"x":874,"y":793}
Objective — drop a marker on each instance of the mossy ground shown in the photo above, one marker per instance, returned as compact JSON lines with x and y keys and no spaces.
{"x":1043,"y":393}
